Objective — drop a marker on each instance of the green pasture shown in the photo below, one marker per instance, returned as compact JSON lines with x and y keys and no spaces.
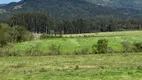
{"x":118,"y":66}
{"x":78,"y":42}
{"x":114,"y":66}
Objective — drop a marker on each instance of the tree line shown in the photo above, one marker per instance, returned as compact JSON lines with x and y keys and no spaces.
{"x":42,"y":23}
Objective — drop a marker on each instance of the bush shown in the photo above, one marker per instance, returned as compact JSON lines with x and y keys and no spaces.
{"x":82,"y":51}
{"x":94,"y":49}
{"x":13,"y":34}
{"x":110,"y":50}
{"x":3,"y":41}
{"x":138,"y":46}
{"x":55,"y":49}
{"x":20,"y":34}
{"x":34,"y":51}
{"x":4,"y":35}
{"x":101,"y":46}
{"x":76,"y":67}
{"x":127,"y":46}
{"x":5,"y":51}
{"x":85,"y":51}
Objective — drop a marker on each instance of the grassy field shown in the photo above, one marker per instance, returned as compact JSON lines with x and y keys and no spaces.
{"x":76,"y":43}
{"x":126,"y":66}
{"x":114,"y":66}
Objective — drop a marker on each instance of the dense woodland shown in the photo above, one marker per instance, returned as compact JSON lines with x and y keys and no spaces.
{"x":43,"y":23}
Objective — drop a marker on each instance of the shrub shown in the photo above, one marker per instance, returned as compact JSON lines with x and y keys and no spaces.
{"x":76,"y":52}
{"x":85,"y":36}
{"x":127,"y":46}
{"x":35,"y":51}
{"x":94,"y":49}
{"x":4,"y":35}
{"x":138,"y":46}
{"x":55,"y":49}
{"x":139,"y":67}
{"x":85,"y":51}
{"x":28,"y":36}
{"x":20,"y":34}
{"x":2,"y":52}
{"x":101,"y":46}
{"x":76,"y":67}
{"x":13,"y":34}
{"x":82,"y":51}
{"x":3,"y":42}
{"x":110,"y":50}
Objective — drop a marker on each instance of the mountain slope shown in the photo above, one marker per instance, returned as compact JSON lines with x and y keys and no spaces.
{"x":2,"y":5}
{"x":67,"y":9}
{"x":135,"y":4}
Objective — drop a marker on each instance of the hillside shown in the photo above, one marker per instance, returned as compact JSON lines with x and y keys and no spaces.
{"x":135,"y":4}
{"x":2,"y":5}
{"x":69,"y":9}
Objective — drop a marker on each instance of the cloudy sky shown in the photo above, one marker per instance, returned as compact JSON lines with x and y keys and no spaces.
{"x":8,"y":1}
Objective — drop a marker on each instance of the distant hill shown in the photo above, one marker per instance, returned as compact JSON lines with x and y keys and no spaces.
{"x":1,"y":5}
{"x":135,"y":4}
{"x":70,"y":9}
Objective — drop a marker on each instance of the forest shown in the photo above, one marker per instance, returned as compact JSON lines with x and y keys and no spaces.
{"x":37,"y":22}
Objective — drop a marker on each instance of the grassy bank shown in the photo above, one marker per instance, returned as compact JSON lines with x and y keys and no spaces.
{"x":78,"y":67}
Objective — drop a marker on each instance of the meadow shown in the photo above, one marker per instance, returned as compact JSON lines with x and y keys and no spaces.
{"x":118,"y":66}
{"x":78,"y":42}
{"x":112,"y":66}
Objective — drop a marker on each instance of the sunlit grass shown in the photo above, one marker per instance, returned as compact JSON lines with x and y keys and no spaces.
{"x":126,"y":66}
{"x":69,"y":45}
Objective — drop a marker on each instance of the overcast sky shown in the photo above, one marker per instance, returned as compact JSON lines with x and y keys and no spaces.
{"x":8,"y":1}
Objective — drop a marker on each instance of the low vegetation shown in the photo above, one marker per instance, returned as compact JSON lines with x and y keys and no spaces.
{"x":94,"y":44}
{"x":73,"y":67}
